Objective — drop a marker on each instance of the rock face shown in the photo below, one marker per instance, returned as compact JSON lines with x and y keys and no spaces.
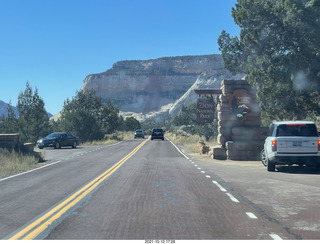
{"x":204,"y":81}
{"x":144,"y":86}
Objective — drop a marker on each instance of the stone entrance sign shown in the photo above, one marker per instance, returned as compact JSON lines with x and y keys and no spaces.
{"x":239,"y":122}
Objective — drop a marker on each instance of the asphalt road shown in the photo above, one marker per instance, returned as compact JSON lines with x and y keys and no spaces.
{"x":148,"y":190}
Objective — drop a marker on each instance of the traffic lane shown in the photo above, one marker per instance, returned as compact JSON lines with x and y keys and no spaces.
{"x":26,"y":196}
{"x":52,"y":155}
{"x":290,"y":196}
{"x":159,"y":194}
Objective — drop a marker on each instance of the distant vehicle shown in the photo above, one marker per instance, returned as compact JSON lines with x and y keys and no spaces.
{"x":138,"y":134}
{"x":58,"y":140}
{"x":157,"y":134}
{"x":291,"y":142}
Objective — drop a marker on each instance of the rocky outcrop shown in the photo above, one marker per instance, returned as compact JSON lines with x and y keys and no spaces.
{"x":144,"y":86}
{"x":204,"y":81}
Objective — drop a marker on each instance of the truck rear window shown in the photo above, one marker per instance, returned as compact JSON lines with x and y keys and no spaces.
{"x":297,"y":130}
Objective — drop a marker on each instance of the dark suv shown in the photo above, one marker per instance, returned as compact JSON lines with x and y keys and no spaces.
{"x":157,"y":134}
{"x":138,"y":134}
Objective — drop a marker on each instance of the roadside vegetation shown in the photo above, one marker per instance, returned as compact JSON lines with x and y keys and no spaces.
{"x":189,"y":143}
{"x":111,"y":138}
{"x":278,"y":48}
{"x":14,"y":162}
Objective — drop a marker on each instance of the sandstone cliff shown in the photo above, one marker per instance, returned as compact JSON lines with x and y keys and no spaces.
{"x":144,"y":86}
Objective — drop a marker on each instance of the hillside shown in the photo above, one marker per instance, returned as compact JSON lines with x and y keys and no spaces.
{"x":4,"y":109}
{"x":143,"y":87}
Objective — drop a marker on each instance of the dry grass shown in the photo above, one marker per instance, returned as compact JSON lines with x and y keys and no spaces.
{"x":14,"y":163}
{"x":191,"y":142}
{"x":100,"y":142}
{"x":111,"y":139}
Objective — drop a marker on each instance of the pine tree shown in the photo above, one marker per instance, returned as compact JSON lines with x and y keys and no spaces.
{"x":278,"y":49}
{"x":33,"y":120}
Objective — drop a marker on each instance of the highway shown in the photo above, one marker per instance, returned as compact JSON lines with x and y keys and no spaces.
{"x":149,"y":190}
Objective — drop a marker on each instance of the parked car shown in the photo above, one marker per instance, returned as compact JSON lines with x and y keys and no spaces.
{"x":138,"y":134}
{"x":291,"y":142}
{"x":58,"y":140}
{"x":157,"y":134}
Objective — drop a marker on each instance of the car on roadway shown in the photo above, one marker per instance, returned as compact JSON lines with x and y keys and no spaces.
{"x":291,"y":142}
{"x":58,"y":140}
{"x":157,"y":134}
{"x":138,"y":134}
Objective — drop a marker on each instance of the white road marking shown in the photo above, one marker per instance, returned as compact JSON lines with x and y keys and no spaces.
{"x":203,"y":172}
{"x":178,"y":149}
{"x":199,"y":168}
{"x":232,"y":197}
{"x":275,"y":237}
{"x":251,"y":215}
{"x":30,"y":171}
{"x":218,"y":185}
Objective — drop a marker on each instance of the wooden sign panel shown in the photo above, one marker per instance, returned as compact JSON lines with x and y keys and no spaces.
{"x":205,"y":110}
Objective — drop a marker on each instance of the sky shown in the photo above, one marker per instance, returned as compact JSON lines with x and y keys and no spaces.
{"x":55,"y":44}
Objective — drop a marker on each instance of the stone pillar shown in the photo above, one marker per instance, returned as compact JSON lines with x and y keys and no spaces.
{"x":239,"y":122}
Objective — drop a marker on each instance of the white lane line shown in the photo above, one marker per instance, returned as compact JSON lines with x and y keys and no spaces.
{"x":30,"y":171}
{"x":251,"y":215}
{"x":208,"y":176}
{"x":203,"y":172}
{"x":218,"y":185}
{"x":275,"y":237}
{"x":178,"y":149}
{"x":199,"y":168}
{"x":232,"y":197}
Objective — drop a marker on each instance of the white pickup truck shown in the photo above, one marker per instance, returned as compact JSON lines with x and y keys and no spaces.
{"x":291,"y":142}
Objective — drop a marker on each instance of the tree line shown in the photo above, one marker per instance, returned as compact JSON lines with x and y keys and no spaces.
{"x":87,"y":117}
{"x":84,"y":115}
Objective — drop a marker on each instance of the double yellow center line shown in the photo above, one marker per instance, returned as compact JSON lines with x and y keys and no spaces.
{"x":34,"y":229}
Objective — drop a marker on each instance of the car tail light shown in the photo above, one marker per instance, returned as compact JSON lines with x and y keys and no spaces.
{"x":318,"y":145}
{"x":274,"y":145}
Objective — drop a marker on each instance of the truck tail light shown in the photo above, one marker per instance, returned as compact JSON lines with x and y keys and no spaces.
{"x":274,"y":145}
